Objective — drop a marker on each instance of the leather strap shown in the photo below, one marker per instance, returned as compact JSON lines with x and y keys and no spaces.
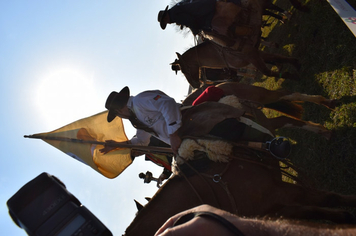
{"x":227,"y":224}
{"x":140,"y":125}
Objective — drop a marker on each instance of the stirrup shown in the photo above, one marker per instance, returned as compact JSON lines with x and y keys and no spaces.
{"x":279,"y":147}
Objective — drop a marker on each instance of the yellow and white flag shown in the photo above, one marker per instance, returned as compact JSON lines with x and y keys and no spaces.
{"x":83,"y":139}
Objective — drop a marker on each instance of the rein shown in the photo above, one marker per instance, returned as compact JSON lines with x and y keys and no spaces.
{"x":216,"y":178}
{"x":191,"y":185}
{"x":219,"y":219}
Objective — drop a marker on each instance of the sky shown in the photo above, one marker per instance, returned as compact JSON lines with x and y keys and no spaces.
{"x":59,"y":60}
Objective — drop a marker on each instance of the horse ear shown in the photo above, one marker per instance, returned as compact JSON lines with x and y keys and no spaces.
{"x":175,"y":66}
{"x":139,"y":206}
{"x":178,"y":55}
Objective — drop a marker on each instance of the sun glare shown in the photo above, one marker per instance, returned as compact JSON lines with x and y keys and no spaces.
{"x":66,"y":95}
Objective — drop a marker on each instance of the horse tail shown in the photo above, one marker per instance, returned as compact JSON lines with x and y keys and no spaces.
{"x":287,"y":107}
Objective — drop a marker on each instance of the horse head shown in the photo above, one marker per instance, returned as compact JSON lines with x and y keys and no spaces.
{"x":175,"y":66}
{"x":190,"y":71}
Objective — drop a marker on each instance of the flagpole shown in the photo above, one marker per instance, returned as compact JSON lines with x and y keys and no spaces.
{"x":73,"y":140}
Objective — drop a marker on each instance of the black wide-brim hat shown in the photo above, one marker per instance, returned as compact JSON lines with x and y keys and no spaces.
{"x":116,"y":100}
{"x":161,"y":16}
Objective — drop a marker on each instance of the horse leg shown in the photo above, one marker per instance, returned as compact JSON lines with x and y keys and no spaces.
{"x":287,"y":122}
{"x":286,"y":15}
{"x":329,"y":103}
{"x":312,"y":197}
{"x":272,"y":58}
{"x":269,"y":13}
{"x":252,"y":93}
{"x":260,"y":64}
{"x":305,"y":203}
{"x":266,"y":43}
{"x":298,"y":5}
{"x":316,"y":213}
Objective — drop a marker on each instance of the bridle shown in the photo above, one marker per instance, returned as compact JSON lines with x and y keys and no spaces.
{"x":216,"y":178}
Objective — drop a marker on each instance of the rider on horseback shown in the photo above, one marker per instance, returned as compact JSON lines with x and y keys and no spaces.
{"x":153,"y":113}
{"x":197,"y":15}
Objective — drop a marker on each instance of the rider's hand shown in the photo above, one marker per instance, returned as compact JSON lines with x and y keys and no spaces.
{"x":160,"y":180}
{"x":107,"y":147}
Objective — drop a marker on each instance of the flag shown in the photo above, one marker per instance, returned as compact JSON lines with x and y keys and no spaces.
{"x":83,"y":139}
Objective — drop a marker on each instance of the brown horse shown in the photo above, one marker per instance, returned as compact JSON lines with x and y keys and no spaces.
{"x":249,"y":185}
{"x":281,"y":101}
{"x":236,"y":35}
{"x":231,"y":18}
{"x":199,"y":120}
{"x":212,"y":55}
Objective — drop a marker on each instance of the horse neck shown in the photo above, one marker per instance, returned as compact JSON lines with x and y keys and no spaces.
{"x":190,"y":67}
{"x":200,"y":54}
{"x":195,"y":58}
{"x":179,"y":194}
{"x":175,"y":196}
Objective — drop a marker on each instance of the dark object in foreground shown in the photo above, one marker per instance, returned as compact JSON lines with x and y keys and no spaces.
{"x":44,"y":207}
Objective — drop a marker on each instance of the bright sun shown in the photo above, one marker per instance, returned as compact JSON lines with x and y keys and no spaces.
{"x":66,"y":95}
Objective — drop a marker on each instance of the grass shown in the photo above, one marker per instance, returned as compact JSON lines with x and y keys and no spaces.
{"x":327,"y":51}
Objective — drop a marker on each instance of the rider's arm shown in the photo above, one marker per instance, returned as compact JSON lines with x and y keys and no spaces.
{"x":141,"y":138}
{"x":170,"y":111}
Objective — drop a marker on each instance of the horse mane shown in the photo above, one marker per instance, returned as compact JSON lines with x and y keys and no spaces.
{"x":155,"y":197}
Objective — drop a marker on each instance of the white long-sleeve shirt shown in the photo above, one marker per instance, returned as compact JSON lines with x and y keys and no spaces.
{"x":159,"y":112}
